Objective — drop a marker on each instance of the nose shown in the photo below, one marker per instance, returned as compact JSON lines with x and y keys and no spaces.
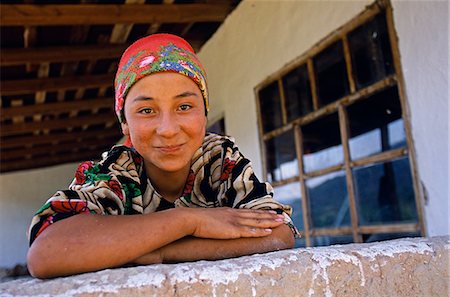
{"x":168,"y":125}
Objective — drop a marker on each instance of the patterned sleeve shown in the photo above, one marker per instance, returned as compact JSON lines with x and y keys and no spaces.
{"x":111,"y":186}
{"x":242,"y":189}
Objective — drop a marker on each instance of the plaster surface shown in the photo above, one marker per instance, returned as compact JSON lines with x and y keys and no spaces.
{"x":405,"y":267}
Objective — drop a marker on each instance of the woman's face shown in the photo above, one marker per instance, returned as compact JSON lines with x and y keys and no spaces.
{"x":165,"y":119}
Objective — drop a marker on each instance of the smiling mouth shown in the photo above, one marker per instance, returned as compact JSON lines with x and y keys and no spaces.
{"x":170,"y":148}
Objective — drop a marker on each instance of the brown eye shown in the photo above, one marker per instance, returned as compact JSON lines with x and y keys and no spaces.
{"x":146,"y":110}
{"x":185,"y":107}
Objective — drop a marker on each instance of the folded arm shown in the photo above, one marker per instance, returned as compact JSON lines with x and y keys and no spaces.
{"x":88,"y":242}
{"x":193,"y":248}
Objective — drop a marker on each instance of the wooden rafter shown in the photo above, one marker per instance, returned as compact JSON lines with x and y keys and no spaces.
{"x":15,"y":87}
{"x":17,"y":56}
{"x":53,"y":54}
{"x":56,"y":107}
{"x":102,"y":14}
{"x":74,"y":146}
{"x":59,"y":137}
{"x":28,"y":127}
{"x":37,"y":162}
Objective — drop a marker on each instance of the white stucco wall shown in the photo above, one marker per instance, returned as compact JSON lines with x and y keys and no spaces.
{"x":260,"y":37}
{"x":21,"y":194}
{"x":256,"y":40}
{"x":422,"y":27}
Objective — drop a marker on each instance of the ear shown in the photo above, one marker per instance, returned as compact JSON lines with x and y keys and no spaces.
{"x":125,"y":129}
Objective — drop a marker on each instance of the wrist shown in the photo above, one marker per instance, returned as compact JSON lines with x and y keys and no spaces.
{"x":188,"y":220}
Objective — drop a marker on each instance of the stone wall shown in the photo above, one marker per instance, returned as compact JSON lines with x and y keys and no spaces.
{"x":405,"y":267}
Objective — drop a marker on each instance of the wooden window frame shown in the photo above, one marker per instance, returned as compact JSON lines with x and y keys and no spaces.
{"x":338,"y":106}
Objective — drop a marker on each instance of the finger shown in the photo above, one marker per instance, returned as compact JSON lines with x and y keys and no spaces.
{"x":256,"y":232}
{"x":260,"y":222}
{"x":259,"y":214}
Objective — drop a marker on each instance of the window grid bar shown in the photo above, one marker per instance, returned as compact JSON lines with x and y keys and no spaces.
{"x":261,"y":132}
{"x":348,"y":64}
{"x":284,"y":182}
{"x":372,"y":229}
{"x":381,"y":157}
{"x":332,"y":231}
{"x":370,"y":160}
{"x":391,"y":228}
{"x":333,"y":107}
{"x":312,"y":84}
{"x":282,"y":101}
{"x":392,"y":80}
{"x":405,"y":114}
{"x":343,"y":125}
{"x":305,"y":199}
{"x":371,"y":11}
{"x":324,"y":171}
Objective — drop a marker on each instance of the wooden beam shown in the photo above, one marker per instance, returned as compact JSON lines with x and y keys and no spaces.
{"x":78,"y":145}
{"x":392,"y":228}
{"x":27,"y":86}
{"x":104,"y":14}
{"x":18,"y":142}
{"x":49,"y":160}
{"x":56,"y":107}
{"x":36,"y":55}
{"x":29,"y":127}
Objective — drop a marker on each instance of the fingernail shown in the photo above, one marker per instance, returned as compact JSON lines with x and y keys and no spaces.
{"x":268,"y":230}
{"x":272,"y":211}
{"x":279,"y":220}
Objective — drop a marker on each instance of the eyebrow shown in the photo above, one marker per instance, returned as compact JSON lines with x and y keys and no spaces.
{"x":182,"y":95}
{"x":186,"y":94}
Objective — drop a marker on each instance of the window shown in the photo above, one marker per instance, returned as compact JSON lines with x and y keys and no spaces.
{"x":217,"y":127}
{"x":335,"y":138}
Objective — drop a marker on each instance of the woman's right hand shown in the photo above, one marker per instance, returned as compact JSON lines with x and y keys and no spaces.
{"x":229,"y":223}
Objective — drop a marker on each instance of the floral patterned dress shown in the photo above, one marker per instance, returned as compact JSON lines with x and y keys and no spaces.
{"x":117,"y":185}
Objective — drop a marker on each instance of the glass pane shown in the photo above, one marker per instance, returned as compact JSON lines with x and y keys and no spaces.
{"x":270,"y":107}
{"x":330,"y":240}
{"x":217,"y":127}
{"x":322,"y":146}
{"x":290,"y":194}
{"x":328,"y":200}
{"x":384,"y":193}
{"x":300,"y":242}
{"x":370,"y":50}
{"x":376,"y":124}
{"x":388,"y":236}
{"x":331,"y":74}
{"x":298,"y":93}
{"x":281,"y":157}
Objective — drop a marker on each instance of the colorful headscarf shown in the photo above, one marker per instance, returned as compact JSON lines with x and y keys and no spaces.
{"x":152,"y":54}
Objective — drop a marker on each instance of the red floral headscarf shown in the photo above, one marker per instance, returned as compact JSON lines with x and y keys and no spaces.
{"x":152,"y":54}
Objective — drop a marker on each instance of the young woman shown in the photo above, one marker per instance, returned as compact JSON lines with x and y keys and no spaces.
{"x":171,"y":193}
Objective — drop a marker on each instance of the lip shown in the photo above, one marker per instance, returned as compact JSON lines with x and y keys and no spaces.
{"x":168,"y":149}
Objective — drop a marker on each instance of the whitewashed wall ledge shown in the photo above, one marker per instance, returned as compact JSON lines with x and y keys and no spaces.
{"x":404,"y":267}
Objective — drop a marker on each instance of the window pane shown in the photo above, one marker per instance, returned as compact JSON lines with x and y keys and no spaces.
{"x":270,"y":106}
{"x":376,"y":124}
{"x":298,"y":93}
{"x":328,"y":200}
{"x":281,"y":157}
{"x":388,"y":236}
{"x":290,"y":194}
{"x":330,"y":240}
{"x":322,"y":146}
{"x":384,"y":193}
{"x":331,"y":74}
{"x":370,"y":50}
{"x":218,"y":127}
